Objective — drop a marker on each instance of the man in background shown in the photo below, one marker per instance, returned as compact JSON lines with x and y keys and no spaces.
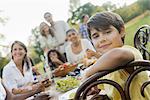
{"x":83,"y":27}
{"x":60,"y":28}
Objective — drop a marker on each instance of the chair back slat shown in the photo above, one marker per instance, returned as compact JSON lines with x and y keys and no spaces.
{"x":142,"y":41}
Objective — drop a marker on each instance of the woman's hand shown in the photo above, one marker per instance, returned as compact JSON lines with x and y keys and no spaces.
{"x":46,"y":83}
{"x":39,"y":87}
{"x":56,"y":60}
{"x":91,"y":53}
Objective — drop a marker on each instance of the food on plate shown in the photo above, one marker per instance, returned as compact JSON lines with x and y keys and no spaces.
{"x":72,"y":95}
{"x":63,"y":69}
{"x":66,"y":84}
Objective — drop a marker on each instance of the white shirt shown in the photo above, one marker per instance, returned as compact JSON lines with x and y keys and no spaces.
{"x":76,"y":58}
{"x":2,"y":92}
{"x":13,"y":78}
{"x":49,"y":42}
{"x":60,"y":28}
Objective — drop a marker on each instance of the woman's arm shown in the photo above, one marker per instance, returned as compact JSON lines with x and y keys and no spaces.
{"x":111,"y":59}
{"x":27,"y":89}
{"x":22,"y":96}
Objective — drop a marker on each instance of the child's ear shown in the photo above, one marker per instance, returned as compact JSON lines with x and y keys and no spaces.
{"x":122,"y":31}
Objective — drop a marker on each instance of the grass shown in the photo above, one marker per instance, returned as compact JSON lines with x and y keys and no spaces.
{"x":133,"y":25}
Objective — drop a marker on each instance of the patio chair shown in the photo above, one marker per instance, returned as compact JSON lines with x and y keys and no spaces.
{"x":94,"y":80}
{"x":142,"y":41}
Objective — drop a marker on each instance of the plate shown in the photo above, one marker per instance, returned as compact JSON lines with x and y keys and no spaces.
{"x":66,"y":95}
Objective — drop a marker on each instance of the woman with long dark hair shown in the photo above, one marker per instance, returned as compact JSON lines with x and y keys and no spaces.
{"x":55,"y":58}
{"x":17,"y":74}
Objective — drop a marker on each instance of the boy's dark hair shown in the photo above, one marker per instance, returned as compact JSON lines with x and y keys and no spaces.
{"x":103,"y":20}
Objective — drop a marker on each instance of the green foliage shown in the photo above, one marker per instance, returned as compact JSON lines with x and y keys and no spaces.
{"x":35,"y":49}
{"x":133,"y":25}
{"x":144,"y":4}
{"x":3,"y":20}
{"x":129,"y":12}
{"x":108,"y":6}
{"x":134,"y":10}
{"x":3,"y":62}
{"x":74,"y":4}
{"x":87,"y":8}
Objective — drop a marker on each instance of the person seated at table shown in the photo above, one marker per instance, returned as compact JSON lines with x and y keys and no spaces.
{"x":17,"y":74}
{"x":76,"y":50}
{"x":55,"y":58}
{"x":5,"y":94}
{"x":107,"y":33}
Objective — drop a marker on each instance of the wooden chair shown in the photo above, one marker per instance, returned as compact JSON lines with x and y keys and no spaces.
{"x":92,"y":81}
{"x":142,"y":41}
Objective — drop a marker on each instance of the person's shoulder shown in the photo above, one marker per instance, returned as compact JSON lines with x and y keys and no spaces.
{"x":9,"y":66}
{"x":137,"y":54}
{"x":129,"y":48}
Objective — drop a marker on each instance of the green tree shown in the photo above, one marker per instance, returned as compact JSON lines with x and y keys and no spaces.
{"x":34,"y":46}
{"x":108,"y":6}
{"x":87,"y":8}
{"x":144,"y":4}
{"x":74,"y":4}
{"x":3,"y":20}
{"x":3,"y":60}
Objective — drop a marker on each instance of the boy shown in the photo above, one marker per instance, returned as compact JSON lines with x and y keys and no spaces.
{"x":107,"y":33}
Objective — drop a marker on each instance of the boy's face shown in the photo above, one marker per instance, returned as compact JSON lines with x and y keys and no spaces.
{"x":105,"y":40}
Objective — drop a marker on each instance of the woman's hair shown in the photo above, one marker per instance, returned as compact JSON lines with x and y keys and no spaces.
{"x":71,"y":30}
{"x":60,"y":57}
{"x":103,"y":20}
{"x":51,"y":32}
{"x":25,"y":57}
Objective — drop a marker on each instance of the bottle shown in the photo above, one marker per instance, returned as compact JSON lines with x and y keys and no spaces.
{"x":48,"y":72}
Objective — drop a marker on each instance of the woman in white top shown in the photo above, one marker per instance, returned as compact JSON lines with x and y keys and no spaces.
{"x":76,"y":50}
{"x":47,"y":39}
{"x":5,"y":94}
{"x":17,"y":74}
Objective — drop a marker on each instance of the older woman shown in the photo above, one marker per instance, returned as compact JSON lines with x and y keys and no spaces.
{"x":76,"y":50}
{"x":17,"y":74}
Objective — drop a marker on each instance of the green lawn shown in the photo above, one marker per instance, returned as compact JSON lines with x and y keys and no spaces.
{"x":133,"y":25}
